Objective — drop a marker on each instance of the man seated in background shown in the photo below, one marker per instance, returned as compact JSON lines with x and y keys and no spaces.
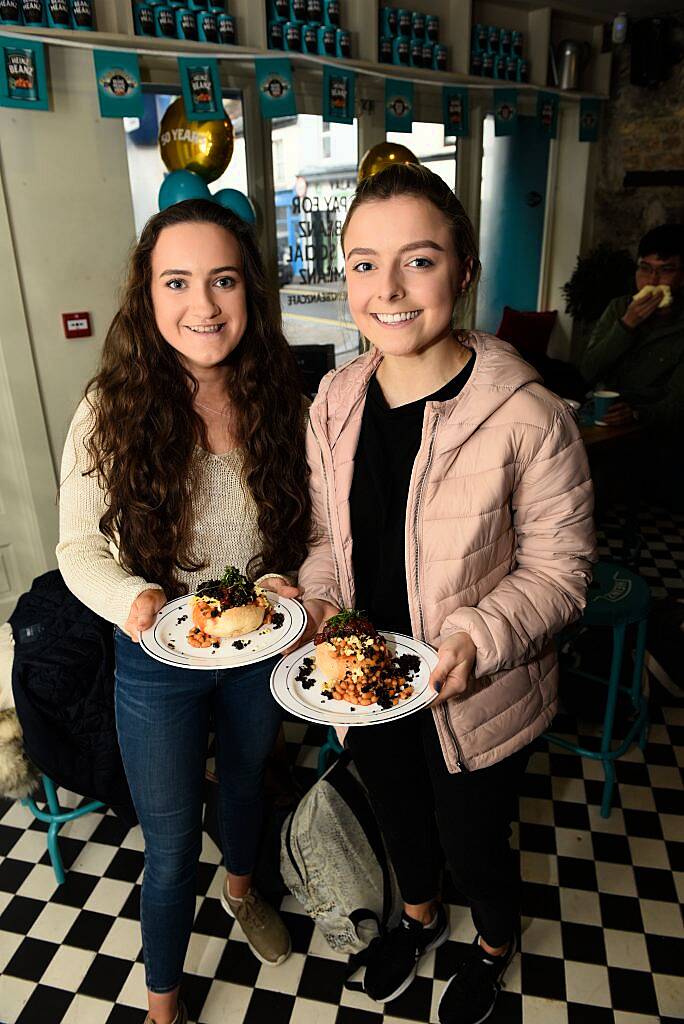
{"x":637,"y":347}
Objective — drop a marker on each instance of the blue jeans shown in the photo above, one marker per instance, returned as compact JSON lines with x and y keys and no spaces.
{"x":162,"y":718}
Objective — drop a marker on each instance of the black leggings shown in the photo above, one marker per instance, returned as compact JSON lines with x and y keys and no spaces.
{"x":427,"y":815}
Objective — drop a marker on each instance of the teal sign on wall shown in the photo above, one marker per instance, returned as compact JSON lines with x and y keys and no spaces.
{"x":339,"y":90}
{"x":118,"y":83}
{"x":275,"y":87}
{"x":589,"y":119}
{"x":455,"y":110}
{"x":23,"y":80}
{"x":547,"y":114}
{"x":505,"y":111}
{"x":201,"y":87}
{"x":398,"y":106}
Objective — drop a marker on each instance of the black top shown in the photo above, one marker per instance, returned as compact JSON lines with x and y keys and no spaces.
{"x":387,"y":448}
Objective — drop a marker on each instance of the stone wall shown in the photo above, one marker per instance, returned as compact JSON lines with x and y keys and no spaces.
{"x":643,"y":130}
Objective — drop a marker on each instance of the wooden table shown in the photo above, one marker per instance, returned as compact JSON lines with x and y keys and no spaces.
{"x":594,"y":436}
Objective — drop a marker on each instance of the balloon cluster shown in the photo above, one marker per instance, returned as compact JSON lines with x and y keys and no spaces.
{"x":197,"y":152}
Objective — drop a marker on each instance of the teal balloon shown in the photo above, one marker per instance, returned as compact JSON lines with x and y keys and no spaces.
{"x":180,"y":185}
{"x":238,"y":202}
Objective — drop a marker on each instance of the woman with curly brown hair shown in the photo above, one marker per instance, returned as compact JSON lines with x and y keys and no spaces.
{"x":187,"y":454}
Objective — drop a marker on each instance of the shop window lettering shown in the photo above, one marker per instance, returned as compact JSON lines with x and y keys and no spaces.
{"x":313,"y":252}
{"x":316,"y":204}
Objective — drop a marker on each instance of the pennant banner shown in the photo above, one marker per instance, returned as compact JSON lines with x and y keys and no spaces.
{"x":589,"y":120}
{"x":505,"y":111}
{"x":118,"y":84}
{"x":547,"y":113}
{"x":339,"y":89}
{"x":23,"y":81}
{"x":201,"y":87}
{"x":275,"y":87}
{"x":456,"y":111}
{"x":398,"y":106}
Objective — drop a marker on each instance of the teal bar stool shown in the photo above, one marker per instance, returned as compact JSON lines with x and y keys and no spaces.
{"x":55,"y":818}
{"x":331,"y":748}
{"x":617,"y":599}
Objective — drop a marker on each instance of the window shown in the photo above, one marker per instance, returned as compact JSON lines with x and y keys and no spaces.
{"x":311,"y":197}
{"x":428,"y":143}
{"x":147,"y":170}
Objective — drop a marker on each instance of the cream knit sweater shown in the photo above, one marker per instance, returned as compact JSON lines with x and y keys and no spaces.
{"x":224,"y":516}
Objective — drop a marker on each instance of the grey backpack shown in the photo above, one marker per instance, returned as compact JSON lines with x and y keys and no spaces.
{"x":333,"y":861}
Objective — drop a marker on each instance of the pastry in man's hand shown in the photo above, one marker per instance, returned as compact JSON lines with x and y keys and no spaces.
{"x":651,"y":289}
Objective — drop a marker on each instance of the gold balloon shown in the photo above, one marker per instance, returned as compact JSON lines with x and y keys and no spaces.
{"x":384,"y":155}
{"x":204,"y":147}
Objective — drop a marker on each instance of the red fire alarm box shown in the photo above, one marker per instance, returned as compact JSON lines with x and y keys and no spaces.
{"x":76,"y":325}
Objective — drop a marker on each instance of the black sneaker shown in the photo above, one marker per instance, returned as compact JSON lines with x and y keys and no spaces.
{"x":470,"y":995}
{"x":394,"y":956}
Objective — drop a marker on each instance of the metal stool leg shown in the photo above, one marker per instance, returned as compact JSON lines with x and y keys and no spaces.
{"x":331,"y":746}
{"x":609,"y":719}
{"x":638,"y":699}
{"x":53,"y":845}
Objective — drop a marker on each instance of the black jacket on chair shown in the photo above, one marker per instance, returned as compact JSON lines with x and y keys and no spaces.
{"x":63,"y":682}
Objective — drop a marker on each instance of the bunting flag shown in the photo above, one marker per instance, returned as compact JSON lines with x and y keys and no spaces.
{"x":398,"y":106}
{"x":275,"y":87}
{"x":547,"y":113}
{"x":455,"y":110}
{"x":589,"y":120}
{"x":201,"y":87}
{"x":339,"y":90}
{"x":118,"y":83}
{"x":23,"y":79}
{"x":505,"y":111}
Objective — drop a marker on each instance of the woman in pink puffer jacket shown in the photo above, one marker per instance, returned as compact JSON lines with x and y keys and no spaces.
{"x":453,"y":502}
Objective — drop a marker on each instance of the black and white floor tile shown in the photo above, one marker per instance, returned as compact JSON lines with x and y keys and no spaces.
{"x":659,"y":542}
{"x":602,"y":940}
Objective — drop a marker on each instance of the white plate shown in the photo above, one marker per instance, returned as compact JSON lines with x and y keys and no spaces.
{"x":311,"y":705}
{"x":167,"y":640}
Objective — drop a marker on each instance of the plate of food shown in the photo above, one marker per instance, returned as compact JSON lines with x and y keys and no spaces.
{"x":354,"y":674}
{"x":226,"y":623}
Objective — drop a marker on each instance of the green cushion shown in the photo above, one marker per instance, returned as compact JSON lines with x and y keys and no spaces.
{"x":616,"y":596}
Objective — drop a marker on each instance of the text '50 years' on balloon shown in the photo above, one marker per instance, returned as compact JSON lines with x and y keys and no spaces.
{"x":203,"y":147}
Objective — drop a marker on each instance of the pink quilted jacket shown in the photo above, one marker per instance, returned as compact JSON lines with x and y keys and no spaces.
{"x":499,"y":537}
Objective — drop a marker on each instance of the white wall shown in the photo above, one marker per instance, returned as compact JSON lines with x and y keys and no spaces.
{"x":69,"y":207}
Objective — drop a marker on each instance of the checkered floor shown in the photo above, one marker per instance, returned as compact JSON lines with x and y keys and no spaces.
{"x":602,"y":929}
{"x":659,"y":542}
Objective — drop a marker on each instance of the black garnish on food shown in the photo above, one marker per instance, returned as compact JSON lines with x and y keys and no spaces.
{"x":407,"y":663}
{"x":181,"y":619}
{"x":217,"y":643}
{"x":277,"y":619}
{"x":233,"y":590}
{"x":348,"y":622}
{"x":241,"y":644}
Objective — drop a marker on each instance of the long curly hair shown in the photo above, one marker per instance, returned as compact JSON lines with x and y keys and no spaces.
{"x":142,"y":444}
